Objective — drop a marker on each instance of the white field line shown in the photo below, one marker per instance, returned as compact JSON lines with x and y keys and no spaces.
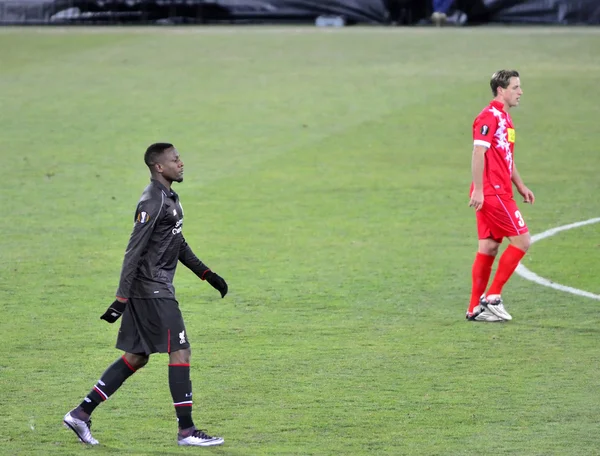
{"x":527,"y":274}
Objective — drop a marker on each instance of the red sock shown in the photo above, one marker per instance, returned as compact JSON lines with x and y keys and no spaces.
{"x":482,"y":268}
{"x":507,"y":265}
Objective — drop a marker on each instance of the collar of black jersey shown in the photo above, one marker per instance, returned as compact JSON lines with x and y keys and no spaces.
{"x":167,"y":192}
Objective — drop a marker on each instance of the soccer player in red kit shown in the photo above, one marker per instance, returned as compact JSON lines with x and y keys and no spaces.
{"x":494,"y":173}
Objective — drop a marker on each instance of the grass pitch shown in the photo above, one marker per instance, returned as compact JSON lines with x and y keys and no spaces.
{"x":327,"y":176}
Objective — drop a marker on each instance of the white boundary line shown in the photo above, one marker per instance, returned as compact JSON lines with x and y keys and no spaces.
{"x":527,"y":274}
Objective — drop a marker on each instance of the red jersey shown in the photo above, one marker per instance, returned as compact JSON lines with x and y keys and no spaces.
{"x":493,"y":128}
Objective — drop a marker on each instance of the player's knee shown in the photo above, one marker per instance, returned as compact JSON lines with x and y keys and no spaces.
{"x":525,"y":242}
{"x":180,"y":356}
{"x":136,"y":361}
{"x":489,"y":247}
{"x":491,"y":250}
{"x":521,"y":242}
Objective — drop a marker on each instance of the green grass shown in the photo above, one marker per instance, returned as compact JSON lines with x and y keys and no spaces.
{"x":327,"y":177}
{"x":583,"y":244}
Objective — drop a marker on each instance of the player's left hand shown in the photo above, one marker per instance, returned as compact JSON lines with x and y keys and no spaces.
{"x":528,"y":196}
{"x":217,"y":282}
{"x":114,"y":311}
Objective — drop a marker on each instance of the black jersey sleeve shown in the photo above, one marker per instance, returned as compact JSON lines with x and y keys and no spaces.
{"x":147,"y":214}
{"x":191,"y":261}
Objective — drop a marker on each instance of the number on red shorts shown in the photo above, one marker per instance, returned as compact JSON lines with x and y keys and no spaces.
{"x":520,"y":218}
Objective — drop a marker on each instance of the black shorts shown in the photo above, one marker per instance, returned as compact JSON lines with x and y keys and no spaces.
{"x":152,"y":326}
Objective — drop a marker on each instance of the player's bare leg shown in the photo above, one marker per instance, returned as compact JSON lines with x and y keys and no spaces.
{"x":522,"y":241}
{"x":488,"y":246}
{"x":508,"y":263}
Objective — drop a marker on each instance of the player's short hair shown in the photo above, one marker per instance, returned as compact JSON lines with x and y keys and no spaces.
{"x":154,"y":151}
{"x":502,"y":79}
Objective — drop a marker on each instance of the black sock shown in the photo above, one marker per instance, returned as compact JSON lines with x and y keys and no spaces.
{"x":111,"y":380}
{"x":181,"y":391}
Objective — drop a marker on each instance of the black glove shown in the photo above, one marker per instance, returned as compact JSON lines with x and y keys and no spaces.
{"x":216,"y":282}
{"x":114,"y":311}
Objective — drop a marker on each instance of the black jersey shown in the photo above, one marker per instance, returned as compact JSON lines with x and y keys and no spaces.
{"x":155,"y":246}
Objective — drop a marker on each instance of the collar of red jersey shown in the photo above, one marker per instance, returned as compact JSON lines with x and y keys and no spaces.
{"x":496,"y":104}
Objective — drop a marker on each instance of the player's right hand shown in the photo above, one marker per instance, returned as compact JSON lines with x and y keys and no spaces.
{"x":114,"y":311}
{"x":528,"y":196}
{"x":476,"y":200}
{"x":217,"y":282}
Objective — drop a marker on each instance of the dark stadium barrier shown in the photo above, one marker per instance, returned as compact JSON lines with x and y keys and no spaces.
{"x":345,"y":12}
{"x":189,"y":11}
{"x":550,"y":12}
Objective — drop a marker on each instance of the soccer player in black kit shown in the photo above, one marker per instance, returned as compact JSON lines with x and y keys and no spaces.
{"x":152,"y":321}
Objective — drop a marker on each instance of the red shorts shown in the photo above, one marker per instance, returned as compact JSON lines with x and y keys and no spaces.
{"x":499,"y":218}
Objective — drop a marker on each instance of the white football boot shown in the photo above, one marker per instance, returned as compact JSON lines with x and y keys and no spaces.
{"x":481,"y":314}
{"x":199,"y":438}
{"x":494,"y":304}
{"x":80,"y":428}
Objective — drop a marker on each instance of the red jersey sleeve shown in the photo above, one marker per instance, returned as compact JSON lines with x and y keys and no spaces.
{"x":484,"y":128}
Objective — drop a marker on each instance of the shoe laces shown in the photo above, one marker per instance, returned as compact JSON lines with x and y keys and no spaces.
{"x":200,"y":434}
